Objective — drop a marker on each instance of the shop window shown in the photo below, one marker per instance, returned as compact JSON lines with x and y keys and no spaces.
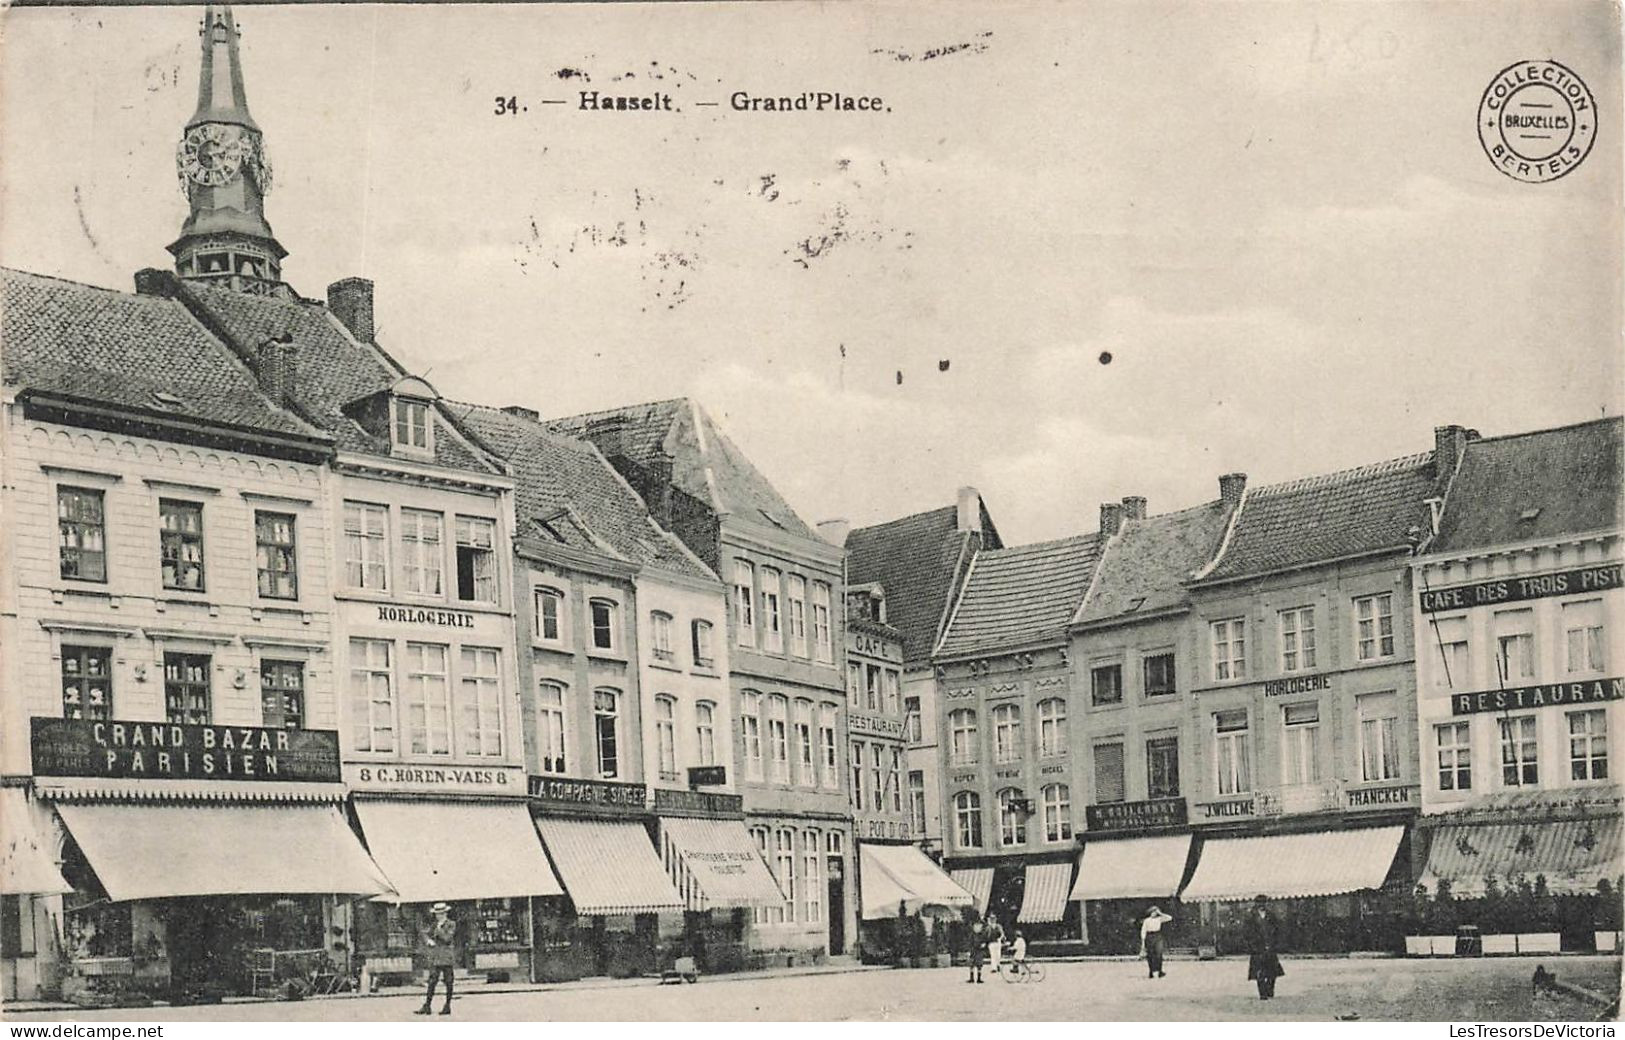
{"x":666,"y":737}
{"x":1588,"y":745}
{"x":778,"y":736}
{"x":1300,"y":730}
{"x":550,"y":728}
{"x":422,"y":551}
{"x":1013,"y":810}
{"x":962,"y":736}
{"x":607,"y":728}
{"x":1052,"y":726}
{"x":428,"y":699}
{"x":1450,"y":653}
{"x":821,"y":623}
{"x":916,"y":802}
{"x":1374,"y":626}
{"x":87,"y":682}
{"x":703,"y":655}
{"x":285,"y":923}
{"x":968,"y":819}
{"x":180,"y":544}
{"x":549,"y":615}
{"x":94,"y":928}
{"x":1159,"y":675}
{"x":1229,"y":642}
{"x":827,"y":717}
{"x":1515,"y":644}
{"x":744,"y":603}
{"x":479,"y":692}
{"x":81,"y":534}
{"x":750,"y":731}
{"x":1109,"y":785}
{"x":660,"y":636}
{"x":186,"y":688}
{"x":372,"y":697}
{"x":796,"y":587}
{"x":911,"y":720}
{"x":411,"y":429}
{"x":1520,"y":750}
{"x":501,"y":921}
{"x":1297,"y":639}
{"x":805,"y":763}
{"x":1455,"y":752}
{"x":1232,"y":758}
{"x":476,"y":560}
{"x":1162,"y":767}
{"x":1378,"y":714}
{"x":603,"y":613}
{"x":1007,"y":733}
{"x":275,"y":555}
{"x":705,"y":732}
{"x":772,"y":619}
{"x":1582,"y":637}
{"x":1057,"y":803}
{"x":1106,"y":684}
{"x":282,"y":694}
{"x":366,"y":546}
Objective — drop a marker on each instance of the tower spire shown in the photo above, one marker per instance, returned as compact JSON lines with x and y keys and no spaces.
{"x":225,"y":174}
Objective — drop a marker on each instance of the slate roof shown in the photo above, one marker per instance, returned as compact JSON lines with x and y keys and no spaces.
{"x":122,"y":349}
{"x":554,"y":472}
{"x":335,"y":369}
{"x":1328,"y":517}
{"x":1150,"y":560}
{"x":1571,"y":474}
{"x":1021,"y":596}
{"x":706,"y":463}
{"x":917,"y":560}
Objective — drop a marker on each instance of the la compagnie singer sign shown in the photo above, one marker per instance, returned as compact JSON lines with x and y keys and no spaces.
{"x":171,"y":751}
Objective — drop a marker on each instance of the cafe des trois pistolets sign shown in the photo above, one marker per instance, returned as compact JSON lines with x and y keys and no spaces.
{"x":1515,"y":588}
{"x":171,"y":751}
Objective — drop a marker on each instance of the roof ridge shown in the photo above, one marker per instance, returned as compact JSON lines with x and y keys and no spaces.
{"x":75,"y":282}
{"x":1345,"y":475}
{"x":1603,"y":421}
{"x":1047,"y":544}
{"x":614,"y":410}
{"x":1175,"y":513}
{"x":904,"y":519}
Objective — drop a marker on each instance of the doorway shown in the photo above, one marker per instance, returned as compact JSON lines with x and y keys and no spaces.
{"x":837,"y":909}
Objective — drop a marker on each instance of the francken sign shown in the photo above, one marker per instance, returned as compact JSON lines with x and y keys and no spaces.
{"x":1515,"y":588}
{"x":172,"y":751}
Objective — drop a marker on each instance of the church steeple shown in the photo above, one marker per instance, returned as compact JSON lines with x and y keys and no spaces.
{"x":225,"y":175}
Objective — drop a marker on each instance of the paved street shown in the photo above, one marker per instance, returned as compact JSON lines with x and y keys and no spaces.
{"x":1314,"y":990}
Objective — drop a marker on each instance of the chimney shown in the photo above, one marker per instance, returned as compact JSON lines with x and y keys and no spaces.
{"x":1449,"y":444}
{"x":153,"y":281}
{"x":970,"y":510}
{"x":1111,"y":517}
{"x":276,"y":365}
{"x":519,"y":411}
{"x":350,"y":300}
{"x":1133,"y":507}
{"x":609,"y":434}
{"x":835,"y":531}
{"x":1231,"y":485}
{"x":658,"y":494}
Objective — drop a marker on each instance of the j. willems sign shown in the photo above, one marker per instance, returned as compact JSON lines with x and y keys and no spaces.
{"x":169,"y":751}
{"x":1550,"y":695}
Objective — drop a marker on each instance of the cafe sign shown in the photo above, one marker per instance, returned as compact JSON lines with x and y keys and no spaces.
{"x":870,"y":646}
{"x":172,"y":751}
{"x":593,"y":796}
{"x":1522,"y":587}
{"x":1549,"y":695}
{"x":1135,"y":816}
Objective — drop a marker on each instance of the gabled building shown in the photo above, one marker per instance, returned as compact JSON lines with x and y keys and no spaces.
{"x":785,"y":659}
{"x":1007,"y":687}
{"x":1518,"y":682}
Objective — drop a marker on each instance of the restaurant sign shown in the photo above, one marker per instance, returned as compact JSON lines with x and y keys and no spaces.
{"x":874,"y":724}
{"x":172,"y":751}
{"x":596,"y":796}
{"x":1135,"y":816}
{"x":673,"y":802}
{"x":1549,"y":695}
{"x":1513,"y":589}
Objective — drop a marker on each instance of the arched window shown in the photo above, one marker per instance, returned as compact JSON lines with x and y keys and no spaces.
{"x":1012,"y":817}
{"x":1057,"y":799}
{"x":778,"y":735}
{"x":703,"y":657}
{"x":549,"y":615}
{"x":750,"y":731}
{"x":1007,"y":733}
{"x":705,"y":732}
{"x":550,"y":725}
{"x":666,"y":736}
{"x":660,"y":635}
{"x":1052,"y":726}
{"x":603,"y":623}
{"x":968,"y":816}
{"x":962,"y":736}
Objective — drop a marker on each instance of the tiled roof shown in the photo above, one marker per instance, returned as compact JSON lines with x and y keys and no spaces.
{"x":1568,"y":478}
{"x":1328,"y":517}
{"x":1021,"y":596}
{"x":915,"y":559}
{"x":123,"y":349}
{"x":1145,"y":567}
{"x":706,"y":463}
{"x":555,"y":473}
{"x":335,"y":369}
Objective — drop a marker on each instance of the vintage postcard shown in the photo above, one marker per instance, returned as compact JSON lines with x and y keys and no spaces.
{"x":874,"y":511}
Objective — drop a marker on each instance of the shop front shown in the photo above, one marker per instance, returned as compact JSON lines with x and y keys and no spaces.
{"x":719,"y":873}
{"x":455,"y":835}
{"x":1134,"y":857}
{"x":31,"y":883}
{"x":908,"y":905}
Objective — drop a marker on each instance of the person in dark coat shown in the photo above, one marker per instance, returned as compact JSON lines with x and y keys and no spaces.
{"x":438,"y":941}
{"x":1263,"y":957}
{"x":978,"y":950}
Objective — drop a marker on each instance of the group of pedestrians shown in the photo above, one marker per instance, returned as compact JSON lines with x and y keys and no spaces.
{"x":1260,"y":929}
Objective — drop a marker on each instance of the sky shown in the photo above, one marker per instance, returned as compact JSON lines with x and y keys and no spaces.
{"x":1275,"y":218}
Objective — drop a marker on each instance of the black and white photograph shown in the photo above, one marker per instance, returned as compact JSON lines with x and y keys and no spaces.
{"x":874,"y":512}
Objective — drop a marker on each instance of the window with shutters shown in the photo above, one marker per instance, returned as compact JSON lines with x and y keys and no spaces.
{"x":1109,"y":772}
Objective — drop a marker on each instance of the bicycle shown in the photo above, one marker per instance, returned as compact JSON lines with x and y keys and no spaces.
{"x":1021,"y":971}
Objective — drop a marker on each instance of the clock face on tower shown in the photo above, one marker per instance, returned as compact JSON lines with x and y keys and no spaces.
{"x":212,"y":154}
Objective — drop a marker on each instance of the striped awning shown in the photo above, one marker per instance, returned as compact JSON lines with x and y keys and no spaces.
{"x":900,"y":877}
{"x":1572,"y":855}
{"x":715,"y":863}
{"x":1132,"y":868}
{"x":1288,"y":866}
{"x":607,"y":866}
{"x":25,"y":867}
{"x":450,"y":850}
{"x":1043,"y":897}
{"x":978,"y":881}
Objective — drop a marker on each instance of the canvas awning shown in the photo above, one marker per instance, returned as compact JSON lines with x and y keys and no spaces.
{"x":449,"y":850}
{"x":1286,"y":866}
{"x":25,"y":867}
{"x":608,"y":866}
{"x":1572,"y":855}
{"x":715,"y":863}
{"x":157,"y":851}
{"x":1132,"y":868}
{"x":1043,"y":897}
{"x":978,"y":881}
{"x":902,"y":877}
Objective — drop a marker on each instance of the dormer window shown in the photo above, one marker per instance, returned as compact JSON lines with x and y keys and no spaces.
{"x":410,"y":430}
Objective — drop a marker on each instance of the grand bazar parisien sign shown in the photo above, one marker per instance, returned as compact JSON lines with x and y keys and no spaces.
{"x":1548,"y":695}
{"x":172,"y":751}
